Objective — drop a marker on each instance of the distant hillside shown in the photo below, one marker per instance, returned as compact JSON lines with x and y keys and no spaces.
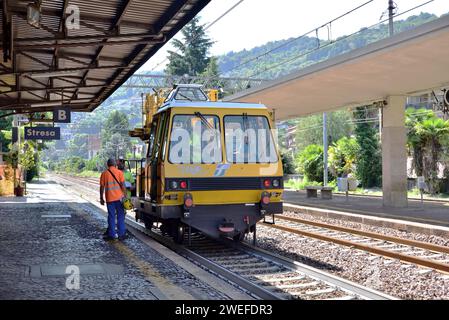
{"x":229,"y":64}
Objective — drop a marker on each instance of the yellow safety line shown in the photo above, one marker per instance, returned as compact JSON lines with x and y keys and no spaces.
{"x":168,"y":289}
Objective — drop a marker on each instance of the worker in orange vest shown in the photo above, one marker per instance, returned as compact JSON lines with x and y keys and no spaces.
{"x":112,"y":185}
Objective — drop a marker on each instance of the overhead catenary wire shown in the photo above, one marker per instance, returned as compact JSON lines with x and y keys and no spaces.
{"x":300,"y":37}
{"x":331,"y":43}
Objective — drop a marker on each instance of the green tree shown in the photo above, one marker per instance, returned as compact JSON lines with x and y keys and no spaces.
{"x":115,"y":141}
{"x":343,"y":156}
{"x":193,"y":57}
{"x":212,"y":72}
{"x":434,"y":133}
{"x":29,"y":159}
{"x":369,"y":159}
{"x":117,"y":146}
{"x":77,"y":146}
{"x":288,"y":165}
{"x":415,"y":142}
{"x":116,"y":122}
{"x":310,"y":129}
{"x":5,"y":125}
{"x":310,"y":163}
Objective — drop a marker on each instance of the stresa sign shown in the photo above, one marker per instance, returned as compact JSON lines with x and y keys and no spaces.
{"x":42,"y":133}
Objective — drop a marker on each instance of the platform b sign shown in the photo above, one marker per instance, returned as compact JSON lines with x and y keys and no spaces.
{"x":61,"y":115}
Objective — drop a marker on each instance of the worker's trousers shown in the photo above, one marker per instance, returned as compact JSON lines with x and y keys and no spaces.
{"x":114,"y":208}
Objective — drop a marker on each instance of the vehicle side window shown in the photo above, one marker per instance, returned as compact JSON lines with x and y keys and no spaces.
{"x":151,"y":141}
{"x":165,"y":136}
{"x":160,"y":134}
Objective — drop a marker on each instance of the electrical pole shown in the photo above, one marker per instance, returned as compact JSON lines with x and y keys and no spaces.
{"x":391,"y":8}
{"x":325,"y":147}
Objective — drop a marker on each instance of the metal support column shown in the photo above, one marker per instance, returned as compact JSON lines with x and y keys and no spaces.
{"x":325,"y":148}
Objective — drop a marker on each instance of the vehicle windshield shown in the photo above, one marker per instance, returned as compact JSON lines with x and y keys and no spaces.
{"x":249,"y":140}
{"x":195,"y":139}
{"x":190,"y":94}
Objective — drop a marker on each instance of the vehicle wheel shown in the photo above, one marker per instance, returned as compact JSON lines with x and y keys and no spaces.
{"x":239,"y":237}
{"x":165,"y":229}
{"x":178,"y":234}
{"x":148,"y":223}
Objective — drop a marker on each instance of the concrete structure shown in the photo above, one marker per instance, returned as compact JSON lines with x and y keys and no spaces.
{"x":394,"y":156}
{"x":408,"y":64}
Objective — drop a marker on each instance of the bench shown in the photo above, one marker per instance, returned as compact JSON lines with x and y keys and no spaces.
{"x":326,"y":192}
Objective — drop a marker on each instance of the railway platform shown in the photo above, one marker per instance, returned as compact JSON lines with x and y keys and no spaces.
{"x":433,"y":213}
{"x":51,"y":247}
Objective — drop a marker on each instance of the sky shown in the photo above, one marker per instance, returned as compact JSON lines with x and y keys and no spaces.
{"x":255,"y":22}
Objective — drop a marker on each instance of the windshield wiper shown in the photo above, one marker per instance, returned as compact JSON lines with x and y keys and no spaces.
{"x":203,"y":120}
{"x":245,"y":126}
{"x":187,"y":98}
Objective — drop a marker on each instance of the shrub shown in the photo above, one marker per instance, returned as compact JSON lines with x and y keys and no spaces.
{"x":342,"y":156}
{"x":288,"y":165}
{"x":310,"y":163}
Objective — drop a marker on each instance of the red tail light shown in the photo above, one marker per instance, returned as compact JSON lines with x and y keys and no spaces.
{"x":266,"y":183}
{"x":183,"y":185}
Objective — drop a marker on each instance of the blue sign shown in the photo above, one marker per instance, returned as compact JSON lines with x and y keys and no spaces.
{"x":61,"y":115}
{"x":42,"y":133}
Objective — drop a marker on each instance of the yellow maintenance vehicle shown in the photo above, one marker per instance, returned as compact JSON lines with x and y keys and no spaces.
{"x":210,"y":166}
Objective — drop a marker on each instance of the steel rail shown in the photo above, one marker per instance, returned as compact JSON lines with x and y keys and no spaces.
{"x":395,"y":255}
{"x":409,"y":242}
{"x":249,"y":286}
{"x":346,"y":285}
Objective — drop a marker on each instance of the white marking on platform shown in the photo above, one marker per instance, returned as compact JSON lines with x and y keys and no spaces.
{"x":56,"y":216}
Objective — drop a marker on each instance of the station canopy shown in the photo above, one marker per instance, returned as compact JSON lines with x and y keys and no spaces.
{"x":50,"y":58}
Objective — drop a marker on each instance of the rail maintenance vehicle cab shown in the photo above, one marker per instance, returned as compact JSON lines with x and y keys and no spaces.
{"x":210,"y":166}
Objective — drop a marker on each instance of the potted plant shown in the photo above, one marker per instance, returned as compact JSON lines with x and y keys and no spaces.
{"x":18,"y":190}
{"x":14,"y":162}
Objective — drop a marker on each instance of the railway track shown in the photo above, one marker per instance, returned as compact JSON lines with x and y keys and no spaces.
{"x":261,"y":273}
{"x":410,"y":251}
{"x":414,"y":252}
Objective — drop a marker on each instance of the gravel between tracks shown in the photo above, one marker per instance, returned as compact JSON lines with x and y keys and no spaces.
{"x":393,"y":277}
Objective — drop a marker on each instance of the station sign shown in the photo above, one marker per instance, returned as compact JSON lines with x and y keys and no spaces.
{"x":61,"y":115}
{"x":42,"y":133}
